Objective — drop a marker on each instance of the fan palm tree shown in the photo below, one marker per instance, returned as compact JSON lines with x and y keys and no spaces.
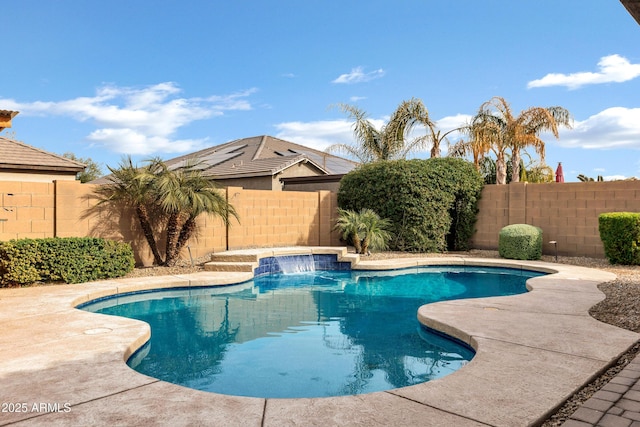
{"x":496,"y":128}
{"x":390,"y":142}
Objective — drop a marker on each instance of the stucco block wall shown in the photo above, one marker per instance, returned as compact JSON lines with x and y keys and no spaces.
{"x":270,"y":218}
{"x":26,"y":210}
{"x":567,"y":212}
{"x":69,"y":209}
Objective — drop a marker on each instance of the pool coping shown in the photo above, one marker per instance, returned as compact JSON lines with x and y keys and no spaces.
{"x":64,"y":366}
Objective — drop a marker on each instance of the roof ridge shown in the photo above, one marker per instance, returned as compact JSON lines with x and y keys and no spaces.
{"x":261,"y":145}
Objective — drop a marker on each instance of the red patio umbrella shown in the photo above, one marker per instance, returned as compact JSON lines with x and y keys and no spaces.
{"x":559,"y":173}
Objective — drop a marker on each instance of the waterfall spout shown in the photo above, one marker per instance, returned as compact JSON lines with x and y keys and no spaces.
{"x":291,"y":264}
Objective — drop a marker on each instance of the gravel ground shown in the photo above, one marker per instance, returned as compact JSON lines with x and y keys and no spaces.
{"x":620,"y":308}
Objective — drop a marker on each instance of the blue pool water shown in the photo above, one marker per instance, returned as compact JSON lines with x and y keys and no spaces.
{"x":325,"y":333}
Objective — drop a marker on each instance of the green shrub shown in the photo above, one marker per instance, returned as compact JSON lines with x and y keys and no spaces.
{"x":71,"y":260}
{"x":620,"y":235}
{"x":520,"y":241}
{"x":432,"y":203}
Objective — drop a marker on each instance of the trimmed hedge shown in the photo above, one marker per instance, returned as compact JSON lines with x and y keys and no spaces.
{"x":620,"y":235}
{"x":520,"y":241}
{"x":71,"y":260}
{"x":432,"y":203}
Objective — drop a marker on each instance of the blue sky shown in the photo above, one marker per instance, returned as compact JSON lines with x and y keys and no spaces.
{"x":164,"y":78}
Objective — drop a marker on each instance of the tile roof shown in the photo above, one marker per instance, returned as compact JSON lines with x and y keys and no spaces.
{"x":260,"y":156}
{"x":18,"y":155}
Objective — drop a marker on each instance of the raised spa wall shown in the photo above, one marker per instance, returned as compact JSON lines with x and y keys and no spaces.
{"x":275,"y":264}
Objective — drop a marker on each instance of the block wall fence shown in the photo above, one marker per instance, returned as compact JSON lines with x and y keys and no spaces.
{"x":567,"y":213}
{"x":266,"y":218}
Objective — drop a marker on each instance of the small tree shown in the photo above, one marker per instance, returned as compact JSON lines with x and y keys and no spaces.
{"x":92,"y":171}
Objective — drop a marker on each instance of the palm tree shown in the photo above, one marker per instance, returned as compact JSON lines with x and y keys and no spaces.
{"x":375,"y":231}
{"x":495,"y":127}
{"x":584,"y":178}
{"x":349,"y":224}
{"x":365,"y":229}
{"x":477,"y":146}
{"x":183,"y":194}
{"x":130,"y":186}
{"x":390,"y":141}
{"x":176,"y":197}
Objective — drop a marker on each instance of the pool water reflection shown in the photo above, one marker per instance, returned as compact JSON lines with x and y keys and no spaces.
{"x":327,"y":333}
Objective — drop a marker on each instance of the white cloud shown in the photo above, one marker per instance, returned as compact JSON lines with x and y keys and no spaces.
{"x":317,"y":134}
{"x":323,"y":133}
{"x":357,"y":75}
{"x":615,"y":127}
{"x":357,"y":98}
{"x":612,"y":68}
{"x":450,"y":123}
{"x":138,"y":120}
{"x":614,"y":177}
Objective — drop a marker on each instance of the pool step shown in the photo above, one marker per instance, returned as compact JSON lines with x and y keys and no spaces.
{"x":230,"y":266}
{"x":230,"y":257}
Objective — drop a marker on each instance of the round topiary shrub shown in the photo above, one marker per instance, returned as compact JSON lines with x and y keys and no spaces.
{"x":520,"y":241}
{"x":432,"y":204}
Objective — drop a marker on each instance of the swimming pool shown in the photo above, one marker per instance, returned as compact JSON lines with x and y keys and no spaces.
{"x":327,"y":333}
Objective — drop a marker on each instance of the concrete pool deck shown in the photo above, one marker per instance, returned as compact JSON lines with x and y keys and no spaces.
{"x":63,"y":366}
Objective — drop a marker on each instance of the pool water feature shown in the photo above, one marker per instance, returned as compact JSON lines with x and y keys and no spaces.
{"x":291,"y":264}
{"x":325,"y":333}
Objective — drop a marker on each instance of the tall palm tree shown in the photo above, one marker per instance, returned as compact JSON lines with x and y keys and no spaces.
{"x":477,"y":145}
{"x":496,"y":127}
{"x":389,"y":142}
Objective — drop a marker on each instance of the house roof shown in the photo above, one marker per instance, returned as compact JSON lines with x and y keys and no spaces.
{"x":261,"y":156}
{"x":18,"y":155}
{"x":633,"y":6}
